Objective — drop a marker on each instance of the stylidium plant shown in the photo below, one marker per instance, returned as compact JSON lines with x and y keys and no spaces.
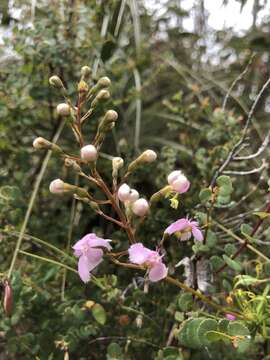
{"x":129,"y":208}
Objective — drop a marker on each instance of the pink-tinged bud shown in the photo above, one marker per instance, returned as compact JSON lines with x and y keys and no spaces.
{"x":173,"y":176}
{"x":230,"y":317}
{"x":149,"y":156}
{"x":57,"y":186}
{"x":89,"y":153}
{"x":63,"y":109}
{"x":140,"y":207}
{"x":181,"y":184}
{"x":8,"y":298}
{"x":133,"y":195}
{"x":123,"y":192}
{"x":178,"y":181}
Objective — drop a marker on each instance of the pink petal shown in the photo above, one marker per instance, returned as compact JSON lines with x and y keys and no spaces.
{"x":83,"y":268}
{"x":94,"y":257}
{"x":158,"y":272}
{"x":138,"y":254}
{"x":95,"y":241}
{"x":80,"y":244}
{"x":177,"y":226}
{"x":197,"y":233}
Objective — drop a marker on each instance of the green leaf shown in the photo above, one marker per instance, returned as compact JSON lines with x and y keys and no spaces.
{"x":179,"y":316}
{"x":246,"y":229}
{"x":205,"y":195}
{"x":232,"y":263}
{"x":205,"y":326}
{"x":224,"y":180}
{"x":114,"y":351}
{"x":223,"y":200}
{"x":216,"y":262}
{"x":229,"y":249}
{"x":236,"y":328}
{"x":99,"y":314}
{"x":185,"y":301}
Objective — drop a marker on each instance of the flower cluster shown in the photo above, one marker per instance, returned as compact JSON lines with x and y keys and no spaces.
{"x":125,"y":200}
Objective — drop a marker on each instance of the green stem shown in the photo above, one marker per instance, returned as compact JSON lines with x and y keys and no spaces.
{"x":32,"y":199}
{"x":242,"y":241}
{"x":48,"y":260}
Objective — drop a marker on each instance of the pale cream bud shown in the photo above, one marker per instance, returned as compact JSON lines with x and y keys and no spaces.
{"x":140,"y":207}
{"x":149,"y":156}
{"x":89,"y":153}
{"x":56,"y":82}
{"x":41,"y":143}
{"x":102,"y":95}
{"x":110,"y":116}
{"x":63,"y":109}
{"x":104,"y":82}
{"x":85,"y":71}
{"x":117,"y":163}
{"x":57,"y":186}
{"x":123,"y":192}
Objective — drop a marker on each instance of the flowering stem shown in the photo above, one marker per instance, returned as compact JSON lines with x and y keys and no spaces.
{"x":116,"y":207}
{"x":182,"y":286}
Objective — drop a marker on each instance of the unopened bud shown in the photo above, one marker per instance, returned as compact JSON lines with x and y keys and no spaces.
{"x":56,"y":82}
{"x":104,"y":82}
{"x":8,"y":298}
{"x":160,"y":194}
{"x":147,"y":156}
{"x":63,"y":109}
{"x":178,"y":182}
{"x":123,"y":192}
{"x":108,"y":122}
{"x":41,"y":143}
{"x":133,"y":195}
{"x":140,"y":207}
{"x":102,"y":95}
{"x":89,"y":153}
{"x":83,"y":87}
{"x":85,"y":71}
{"x":57,"y":186}
{"x":117,"y":163}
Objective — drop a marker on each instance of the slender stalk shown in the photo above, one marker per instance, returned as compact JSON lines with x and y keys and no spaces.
{"x":48,"y":260}
{"x":33,"y":198}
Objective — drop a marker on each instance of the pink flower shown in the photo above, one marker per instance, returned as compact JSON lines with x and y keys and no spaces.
{"x":138,"y":254}
{"x":178,"y":181}
{"x":89,"y":250}
{"x":230,"y":317}
{"x":184,"y":229}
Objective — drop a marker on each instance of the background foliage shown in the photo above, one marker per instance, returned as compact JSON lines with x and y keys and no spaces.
{"x":169,"y":93}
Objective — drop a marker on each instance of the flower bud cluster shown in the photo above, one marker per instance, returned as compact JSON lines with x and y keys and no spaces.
{"x":130,"y":197}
